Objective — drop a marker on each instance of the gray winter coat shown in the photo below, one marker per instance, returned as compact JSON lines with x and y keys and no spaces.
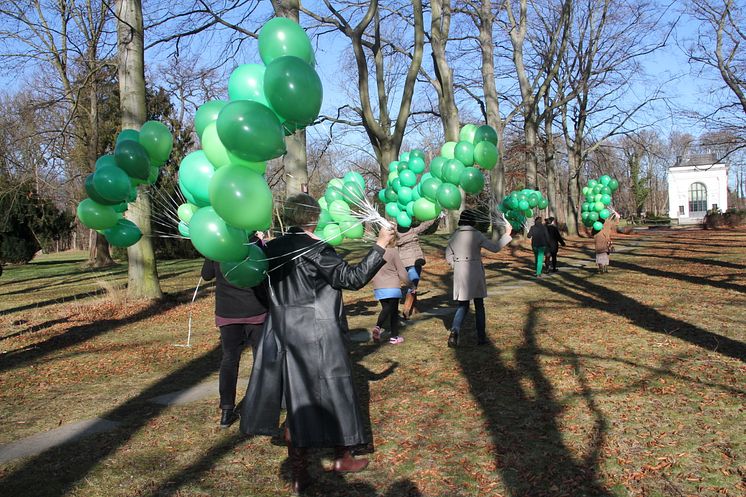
{"x":464,"y":254}
{"x":302,"y":354}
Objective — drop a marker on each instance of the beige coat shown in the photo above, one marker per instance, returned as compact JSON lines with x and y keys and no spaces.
{"x":408,"y":244}
{"x":602,"y":239}
{"x":392,"y":274}
{"x":464,"y":254}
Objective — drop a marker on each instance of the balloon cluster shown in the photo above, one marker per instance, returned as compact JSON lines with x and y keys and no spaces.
{"x":137,"y":158}
{"x":337,"y":221}
{"x":406,"y":197}
{"x":595,"y":210}
{"x":227,"y":195}
{"x":519,"y":206}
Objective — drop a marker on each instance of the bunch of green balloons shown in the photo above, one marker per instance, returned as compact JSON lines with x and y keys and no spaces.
{"x":407,"y":198}
{"x":336,"y":221}
{"x":227,"y":195}
{"x":519,"y":206}
{"x":595,"y":210}
{"x":137,"y":159}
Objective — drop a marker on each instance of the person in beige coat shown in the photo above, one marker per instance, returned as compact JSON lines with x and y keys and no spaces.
{"x":464,"y":254}
{"x":387,"y":290}
{"x":410,"y":252}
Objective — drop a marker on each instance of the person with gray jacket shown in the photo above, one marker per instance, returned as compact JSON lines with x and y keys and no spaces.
{"x":464,"y":254}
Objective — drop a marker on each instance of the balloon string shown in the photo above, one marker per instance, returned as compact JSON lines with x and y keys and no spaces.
{"x":191,"y":307}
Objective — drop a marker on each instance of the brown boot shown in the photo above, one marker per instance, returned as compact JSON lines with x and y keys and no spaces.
{"x":408,"y":308}
{"x":298,"y":466}
{"x":345,"y":463}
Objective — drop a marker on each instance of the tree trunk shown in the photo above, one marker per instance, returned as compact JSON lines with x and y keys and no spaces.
{"x":102,"y":254}
{"x":574,"y":190}
{"x":530,"y":127}
{"x":143,"y":273}
{"x":295,"y":161}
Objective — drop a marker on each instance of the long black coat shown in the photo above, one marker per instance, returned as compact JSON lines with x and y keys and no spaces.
{"x":302,"y":353}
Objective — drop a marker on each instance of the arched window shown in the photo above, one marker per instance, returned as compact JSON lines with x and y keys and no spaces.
{"x":697,"y":198}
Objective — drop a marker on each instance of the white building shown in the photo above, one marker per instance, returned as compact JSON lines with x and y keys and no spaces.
{"x":696,"y":185}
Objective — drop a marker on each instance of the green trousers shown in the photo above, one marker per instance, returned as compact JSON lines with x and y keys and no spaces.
{"x":539,"y":259}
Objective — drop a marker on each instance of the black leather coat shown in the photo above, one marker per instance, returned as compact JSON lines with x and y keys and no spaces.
{"x":302,"y":353}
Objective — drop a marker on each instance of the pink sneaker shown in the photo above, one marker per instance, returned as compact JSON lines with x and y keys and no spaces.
{"x":396,"y":340}
{"x":376,"y":333}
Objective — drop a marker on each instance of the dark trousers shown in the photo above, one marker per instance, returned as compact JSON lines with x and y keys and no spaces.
{"x":389,"y":314}
{"x":234,"y":338}
{"x":462,"y":309}
{"x":552,"y":259}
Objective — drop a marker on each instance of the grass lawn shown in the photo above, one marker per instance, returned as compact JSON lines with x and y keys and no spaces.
{"x":630,"y":383}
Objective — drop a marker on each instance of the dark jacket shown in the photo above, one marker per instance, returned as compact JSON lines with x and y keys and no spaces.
{"x":539,"y":236}
{"x":232,"y":301}
{"x":555,"y":238}
{"x":302,"y":354}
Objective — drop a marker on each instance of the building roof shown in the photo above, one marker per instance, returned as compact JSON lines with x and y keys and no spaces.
{"x":697,"y":160}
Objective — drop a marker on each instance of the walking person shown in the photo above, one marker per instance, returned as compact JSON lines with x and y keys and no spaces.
{"x":239,"y":314}
{"x":302,"y":357}
{"x":603,"y":243}
{"x":539,"y":243}
{"x":555,"y":240}
{"x":410,"y":252}
{"x":387,"y":290}
{"x":464,"y":254}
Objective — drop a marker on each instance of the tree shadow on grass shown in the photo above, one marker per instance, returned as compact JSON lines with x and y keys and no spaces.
{"x":36,"y":327}
{"x":57,"y":470}
{"x":530,"y":452}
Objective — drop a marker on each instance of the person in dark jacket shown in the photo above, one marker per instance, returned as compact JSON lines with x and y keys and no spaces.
{"x":539,"y":243}
{"x":555,"y":240}
{"x":240,"y":315}
{"x":302,"y":356}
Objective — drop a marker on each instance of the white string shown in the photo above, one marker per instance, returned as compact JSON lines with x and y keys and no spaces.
{"x":191,"y":306}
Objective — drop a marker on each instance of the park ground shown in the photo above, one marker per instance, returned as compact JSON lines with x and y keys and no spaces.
{"x":630,"y":383}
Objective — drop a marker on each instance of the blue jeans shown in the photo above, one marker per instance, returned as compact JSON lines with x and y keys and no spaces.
{"x":411,"y":272}
{"x":462,"y":309}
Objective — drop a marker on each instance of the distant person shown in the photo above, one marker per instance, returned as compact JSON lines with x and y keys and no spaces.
{"x":555,"y":240}
{"x":387,"y":290}
{"x":539,"y":243}
{"x":603,"y":243}
{"x":239,"y":314}
{"x":464,"y":254}
{"x":410,"y":252}
{"x":302,"y":358}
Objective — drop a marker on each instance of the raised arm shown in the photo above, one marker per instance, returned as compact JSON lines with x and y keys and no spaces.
{"x":343,"y":276}
{"x":424,"y":226}
{"x":495,"y":246}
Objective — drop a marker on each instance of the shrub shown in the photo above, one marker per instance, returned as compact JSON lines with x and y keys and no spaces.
{"x":730,"y":219}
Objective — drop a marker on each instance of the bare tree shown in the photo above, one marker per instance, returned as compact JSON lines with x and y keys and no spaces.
{"x":143,"y":272}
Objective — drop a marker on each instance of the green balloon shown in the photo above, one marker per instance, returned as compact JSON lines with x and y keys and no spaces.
{"x":247,"y":83}
{"x":339,"y":210}
{"x":353,"y":193}
{"x":523,"y":205}
{"x":598,"y":225}
{"x":485,"y":154}
{"x":593,"y":216}
{"x":157,"y":141}
{"x":410,"y":208}
{"x":405,"y":195}
{"x":392,"y":176}
{"x":584,"y":216}
{"x":293,"y":90}
{"x":332,"y":234}
{"x":133,"y":194}
{"x":393,"y":166}
{"x":585,"y":207}
{"x":449,"y":196}
{"x":396,"y":184}
{"x":257,"y":167}
{"x":280,"y":37}
{"x":96,"y":216}
{"x":404,"y":220}
{"x":391,"y":195}
{"x":597,"y":197}
{"x":436,"y":167}
{"x":408,"y":178}
{"x":324,"y":219}
{"x":464,"y":152}
{"x":471,"y":180}
{"x":416,"y":153}
{"x":598,"y":206}
{"x":402,"y":167}
{"x":543,"y":203}
{"x":112,"y":183}
{"x":123,"y":234}
{"x":352,"y":229}
{"x":404,"y":157}
{"x":207,"y":113}
{"x":127,"y":134}
{"x":592,"y":183}
{"x":393,"y":209}
{"x":416,"y":164}
{"x":429,"y":188}
{"x":533,"y":200}
{"x":251,"y":131}
{"x":485,"y":133}
{"x":155,"y":173}
{"x":355,"y":177}
{"x":195,"y":174}
{"x":447,"y":150}
{"x":93,"y":194}
{"x":183,"y":229}
{"x":186,"y":211}
{"x":242,"y":198}
{"x":107,"y":160}
{"x":382,"y":195}
{"x":604,"y":180}
{"x":248,"y":272}
{"x":512,"y":201}
{"x":613,"y":184}
{"x":425,"y":210}
{"x":215,"y":239}
{"x":452,"y":171}
{"x":606,"y":199}
{"x":604,"y":214}
{"x":605,"y":190}
{"x":528,"y":212}
{"x":467,"y":133}
{"x":337,"y":183}
{"x":120,"y":207}
{"x":133,"y":159}
{"x":214,"y":150}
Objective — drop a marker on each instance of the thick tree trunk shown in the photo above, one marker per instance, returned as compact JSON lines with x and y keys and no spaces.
{"x":143,"y":273}
{"x":572,"y":213}
{"x":102,"y":256}
{"x":530,"y":129}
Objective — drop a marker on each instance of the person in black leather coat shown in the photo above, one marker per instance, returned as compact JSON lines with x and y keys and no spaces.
{"x":302,"y":355}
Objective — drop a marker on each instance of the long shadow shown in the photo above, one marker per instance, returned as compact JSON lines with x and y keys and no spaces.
{"x":531,"y":454}
{"x":48,"y":302}
{"x":57,"y":470}
{"x":82,"y":333}
{"x":36,"y":327}
{"x":604,"y":299}
{"x":694,"y":260}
